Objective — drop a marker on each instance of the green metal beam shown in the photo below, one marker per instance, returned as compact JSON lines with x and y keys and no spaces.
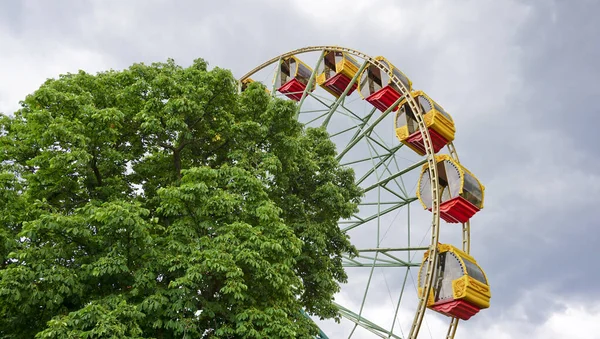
{"x":391,"y":177}
{"x":277,"y":73}
{"x":339,"y":100}
{"x":379,"y":164}
{"x":387,"y":210}
{"x":365,"y":323}
{"x":364,"y":123}
{"x":368,"y":130}
{"x":311,"y":82}
{"x":344,"y":131}
{"x":321,"y":334}
{"x":386,"y":156}
{"x":393,"y":249}
{"x":362,"y":260}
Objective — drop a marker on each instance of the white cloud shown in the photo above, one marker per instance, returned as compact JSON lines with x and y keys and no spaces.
{"x":25,"y":66}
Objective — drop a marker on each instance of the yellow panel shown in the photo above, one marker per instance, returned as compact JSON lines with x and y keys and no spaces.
{"x":346,"y":66}
{"x":248,"y":81}
{"x":439,"y":123}
{"x":464,"y":288}
{"x":433,"y":119}
{"x":321,"y":79}
{"x":471,"y":291}
{"x":402,"y":133}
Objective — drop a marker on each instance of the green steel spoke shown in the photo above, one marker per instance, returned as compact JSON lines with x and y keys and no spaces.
{"x":364,"y":323}
{"x":378,"y":265}
{"x":321,"y":334}
{"x":364,"y":298}
{"x":378,"y":143}
{"x":388,"y":155}
{"x":386,"y":166}
{"x":314,"y":111}
{"x":408,"y":228}
{"x":277,"y":74}
{"x":393,"y":260}
{"x":376,"y":259}
{"x":381,"y":162}
{"x":349,"y":113}
{"x":385,"y":211}
{"x":339,"y":100}
{"x":368,"y":130}
{"x":396,"y":194}
{"x":346,"y":257}
{"x":393,"y":249}
{"x":393,"y":257}
{"x":317,"y":98}
{"x":317,"y":118}
{"x":311,"y":82}
{"x":344,"y":131}
{"x":398,"y":303}
{"x":377,"y":203}
{"x":391,"y":177}
{"x":364,"y":121}
{"x":357,"y":217}
{"x":400,"y":186}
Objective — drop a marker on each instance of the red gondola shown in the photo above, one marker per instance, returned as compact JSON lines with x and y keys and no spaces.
{"x":460,"y":191}
{"x":293,"y":77}
{"x":377,"y":87}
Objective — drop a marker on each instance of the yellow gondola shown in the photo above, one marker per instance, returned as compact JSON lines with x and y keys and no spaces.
{"x":461,"y":289}
{"x":461,"y":192}
{"x":246,"y":82}
{"x":293,"y":77}
{"x":439,"y":123}
{"x":377,"y":88}
{"x":336,"y":71}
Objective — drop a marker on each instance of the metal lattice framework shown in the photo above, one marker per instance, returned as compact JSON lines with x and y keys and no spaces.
{"x":381,"y":178}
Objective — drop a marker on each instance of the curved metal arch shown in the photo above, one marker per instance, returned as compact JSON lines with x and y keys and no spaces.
{"x":430,"y":155}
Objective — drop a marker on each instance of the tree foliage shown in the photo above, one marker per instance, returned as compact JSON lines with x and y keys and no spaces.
{"x":158,"y":202}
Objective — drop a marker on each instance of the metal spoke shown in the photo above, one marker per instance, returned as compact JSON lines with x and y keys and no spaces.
{"x":365,"y":323}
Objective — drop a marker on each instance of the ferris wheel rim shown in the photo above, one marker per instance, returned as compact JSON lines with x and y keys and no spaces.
{"x":429,"y":154}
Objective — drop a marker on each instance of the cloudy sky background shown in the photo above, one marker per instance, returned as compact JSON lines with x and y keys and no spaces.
{"x":519,"y":77}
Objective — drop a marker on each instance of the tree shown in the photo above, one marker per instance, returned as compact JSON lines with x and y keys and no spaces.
{"x":158,"y":202}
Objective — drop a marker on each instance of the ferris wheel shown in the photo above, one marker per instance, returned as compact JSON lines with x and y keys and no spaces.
{"x":392,"y":136}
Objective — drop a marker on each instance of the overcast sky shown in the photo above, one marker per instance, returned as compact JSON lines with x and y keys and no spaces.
{"x":519,"y":77}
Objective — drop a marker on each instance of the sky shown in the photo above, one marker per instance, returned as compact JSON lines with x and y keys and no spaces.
{"x":520,"y":79}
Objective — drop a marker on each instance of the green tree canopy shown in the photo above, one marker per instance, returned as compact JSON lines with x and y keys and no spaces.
{"x":158,"y":202}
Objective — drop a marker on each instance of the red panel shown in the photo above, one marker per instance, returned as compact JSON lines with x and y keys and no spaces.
{"x":384,"y":98}
{"x":456,"y":308}
{"x":293,"y":89}
{"x":457,"y":210}
{"x":338,"y":84}
{"x":437,"y":139}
